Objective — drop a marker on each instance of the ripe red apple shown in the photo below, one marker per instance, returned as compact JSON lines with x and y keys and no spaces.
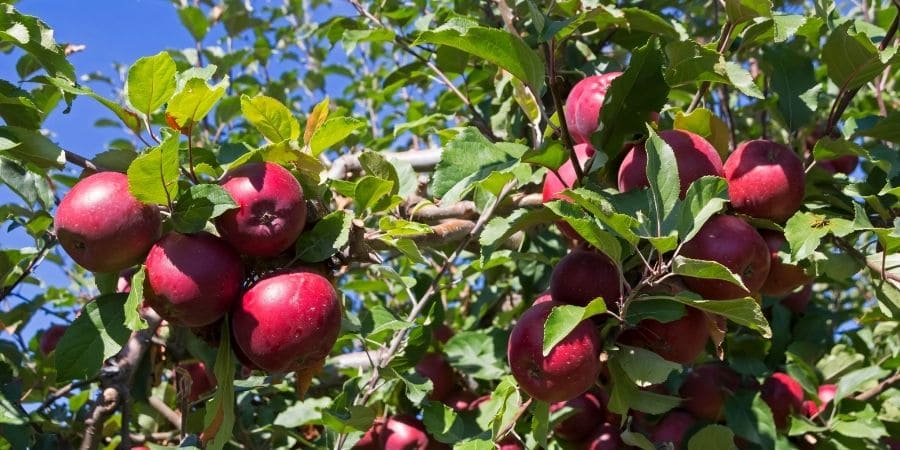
{"x":694,"y":156}
{"x":783,"y":278}
{"x":436,"y":368}
{"x":798,"y":301}
{"x":460,"y":400}
{"x":271,"y":211}
{"x":371,"y":439}
{"x":673,"y":428}
{"x":579,"y":424}
{"x":607,"y":437}
{"x":287,"y":320}
{"x":706,"y":388}
{"x":584,"y":275}
{"x":784,"y":395}
{"x":570,"y":369}
{"x":50,"y":339}
{"x":734,"y":244}
{"x":765,"y":180}
{"x":554,"y":186}
{"x":681,"y":340}
{"x":443,"y":333}
{"x":103,"y":227}
{"x":202,"y":381}
{"x":543,"y":298}
{"x":192,"y":279}
{"x":826,"y":393}
{"x":404,"y":433}
{"x":509,"y":443}
{"x":584,"y":103}
{"x":843,"y":164}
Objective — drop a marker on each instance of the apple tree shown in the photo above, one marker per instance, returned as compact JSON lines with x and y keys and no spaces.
{"x":459,"y":224}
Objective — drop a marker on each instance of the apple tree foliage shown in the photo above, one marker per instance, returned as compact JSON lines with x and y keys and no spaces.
{"x":423,"y":172}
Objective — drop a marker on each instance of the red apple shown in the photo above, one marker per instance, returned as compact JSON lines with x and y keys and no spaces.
{"x":765,"y":180}
{"x":460,"y":400}
{"x":694,"y":156}
{"x":271,"y":211}
{"x":673,"y":428}
{"x":571,"y":367}
{"x":734,"y":244}
{"x":436,"y":368}
{"x":509,"y":443}
{"x":584,"y":103}
{"x":843,"y":164}
{"x":784,"y":395}
{"x":681,"y":340}
{"x":543,"y":298}
{"x":783,"y":278}
{"x":584,"y":275}
{"x":443,"y":333}
{"x":607,"y":437}
{"x":50,"y":339}
{"x":798,"y":301}
{"x":103,"y":227}
{"x":579,"y":424}
{"x":706,"y":388}
{"x":827,"y":392}
{"x":287,"y":320}
{"x":202,"y":381}
{"x":371,"y":439}
{"x":404,"y":433}
{"x":810,"y":408}
{"x":192,"y":279}
{"x":554,"y":186}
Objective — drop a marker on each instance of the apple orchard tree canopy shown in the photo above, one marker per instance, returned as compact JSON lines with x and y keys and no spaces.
{"x":459,"y":224}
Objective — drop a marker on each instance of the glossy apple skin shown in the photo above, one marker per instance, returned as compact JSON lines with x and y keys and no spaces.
{"x":826,"y":393}
{"x":681,"y":340}
{"x":673,"y":428}
{"x":797,"y":302}
{"x":584,"y":104}
{"x":192,"y":279}
{"x":784,"y":395}
{"x":706,"y":388}
{"x":50,"y":338}
{"x":584,"y":275}
{"x":202,"y":381}
{"x":271,"y":211}
{"x":765,"y":180}
{"x":570,"y":369}
{"x":371,"y":439}
{"x":694,"y":156}
{"x":554,"y":186}
{"x":287,"y":320}
{"x":736,"y":245}
{"x":607,"y":437}
{"x":404,"y":433}
{"x":783,"y":278}
{"x":436,"y":368}
{"x":579,"y":425}
{"x":103,"y":227}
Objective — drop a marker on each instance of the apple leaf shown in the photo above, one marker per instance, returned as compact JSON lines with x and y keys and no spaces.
{"x":712,"y":436}
{"x":316,"y":119}
{"x":199,"y":204}
{"x":499,"y":229}
{"x":552,"y":154}
{"x":644,"y":367}
{"x":564,"y":318}
{"x":36,"y":38}
{"x":704,"y":198}
{"x":194,"y":101}
{"x":588,"y":229}
{"x":887,"y":129}
{"x":626,"y":395}
{"x":333,"y":131}
{"x":376,"y":164}
{"x":218,"y":422}
{"x":30,"y":146}
{"x":662,"y":173}
{"x":740,"y":11}
{"x":268,"y":115}
{"x":750,"y":418}
{"x":708,"y":270}
{"x":98,"y":333}
{"x":792,"y":76}
{"x":328,"y":236}
{"x":151,"y":82}
{"x":153,"y":176}
{"x":133,"y":319}
{"x":851,"y":57}
{"x":742,"y":311}
{"x":31,"y":186}
{"x":662,"y":311}
{"x":704,"y":123}
{"x":467,"y":158}
{"x":194,"y":21}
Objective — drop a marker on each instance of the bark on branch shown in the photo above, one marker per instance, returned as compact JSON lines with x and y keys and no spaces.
{"x":420,"y":160}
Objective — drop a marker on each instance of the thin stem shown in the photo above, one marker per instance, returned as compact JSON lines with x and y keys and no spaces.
{"x":724,"y":37}
{"x":553,"y":82}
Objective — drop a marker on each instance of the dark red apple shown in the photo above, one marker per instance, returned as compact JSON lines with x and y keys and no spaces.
{"x":734,"y":244}
{"x":543,"y":298}
{"x":287,"y":320}
{"x":827,"y":392}
{"x":579,"y":424}
{"x":271,"y":211}
{"x":783,"y":277}
{"x":571,"y":367}
{"x":473,"y":406}
{"x":784,"y":395}
{"x":694,"y":156}
{"x":810,"y":408}
{"x":765,"y":180}
{"x":584,"y":103}
{"x":436,"y":368}
{"x":673,"y":428}
{"x":202,"y":381}
{"x":50,"y":339}
{"x":404,"y":433}
{"x":607,"y":437}
{"x":192,"y":279}
{"x":460,"y":400}
{"x":843,"y":164}
{"x":371,"y":439}
{"x":554,"y":186}
{"x":681,"y":340}
{"x":706,"y":388}
{"x":443,"y":333}
{"x":103,"y":227}
{"x":798,"y":301}
{"x":584,"y":275}
{"x":509,"y":443}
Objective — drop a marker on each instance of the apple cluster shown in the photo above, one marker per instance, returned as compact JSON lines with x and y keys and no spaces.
{"x":281,"y":321}
{"x":766,"y":180}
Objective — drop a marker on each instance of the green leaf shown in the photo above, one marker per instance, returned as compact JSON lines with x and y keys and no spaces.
{"x":858,"y":380}
{"x":741,"y":79}
{"x":151,"y":82}
{"x":199,"y":204}
{"x":480,"y":354}
{"x":587,"y":228}
{"x":34,"y":36}
{"x":30,"y":146}
{"x":133,"y":319}
{"x":273,"y":120}
{"x":887,"y":129}
{"x":708,"y":270}
{"x":333,"y":131}
{"x":704,"y":198}
{"x":194,"y":101}
{"x":29,"y":185}
{"x":552,"y":154}
{"x":128,"y":118}
{"x":467,"y":158}
{"x":662,"y":173}
{"x":712,"y":436}
{"x":662,"y":311}
{"x":644,"y":367}
{"x":316,"y":118}
{"x":748,"y":415}
{"x":195,"y":21}
{"x":499,"y":229}
{"x":376,"y":164}
{"x":153,"y":176}
{"x":791,"y":77}
{"x":804,"y":232}
{"x":626,"y":395}
{"x":740,"y":11}
{"x":851,"y":57}
{"x":218,"y":422}
{"x":328,"y":236}
{"x":373,"y":193}
{"x":495,"y":46}
{"x":702,"y":122}
{"x":95,"y":335}
{"x":564,"y":318}
{"x":302,"y":413}
{"x":691,"y":63}
{"x":742,"y":311}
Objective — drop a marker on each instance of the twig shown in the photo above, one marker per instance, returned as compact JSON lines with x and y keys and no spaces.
{"x":173,"y":417}
{"x":81,"y":161}
{"x":420,"y":160}
{"x":873,"y":266}
{"x":63,"y":391}
{"x":30,"y":268}
{"x":515,"y":419}
{"x":872,"y":393}
{"x":105,"y":406}
{"x":465,"y":209}
{"x":560,"y":110}
{"x":725,"y":36}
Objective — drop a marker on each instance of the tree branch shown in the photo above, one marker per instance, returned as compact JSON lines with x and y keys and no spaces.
{"x":553,"y":82}
{"x":872,"y":393}
{"x":30,"y":268}
{"x":420,"y":160}
{"x":81,"y":161}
